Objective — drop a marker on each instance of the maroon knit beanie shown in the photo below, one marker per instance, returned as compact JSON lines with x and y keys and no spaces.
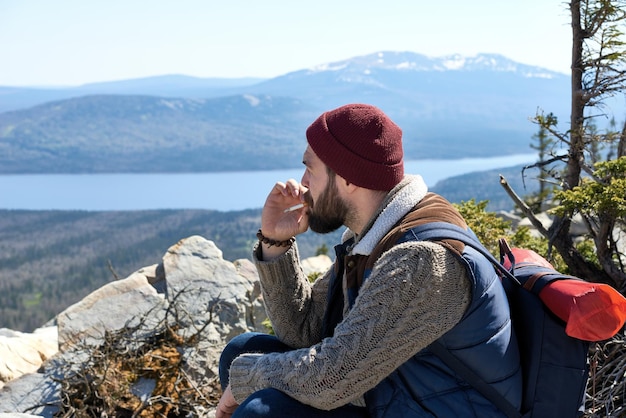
{"x":361,"y":144}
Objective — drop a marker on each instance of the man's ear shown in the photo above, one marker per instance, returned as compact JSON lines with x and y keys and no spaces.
{"x":345,"y":184}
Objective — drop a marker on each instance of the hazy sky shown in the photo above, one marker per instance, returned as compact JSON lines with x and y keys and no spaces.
{"x":72,"y":42}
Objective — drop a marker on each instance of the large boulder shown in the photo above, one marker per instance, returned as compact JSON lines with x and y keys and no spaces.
{"x":201,"y":281}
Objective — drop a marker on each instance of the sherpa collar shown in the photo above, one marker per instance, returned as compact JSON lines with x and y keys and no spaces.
{"x":398,"y":203}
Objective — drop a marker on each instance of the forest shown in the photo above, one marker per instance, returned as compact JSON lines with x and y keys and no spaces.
{"x":52,"y":259}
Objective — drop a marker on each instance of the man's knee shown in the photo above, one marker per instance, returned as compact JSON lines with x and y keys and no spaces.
{"x":234,"y":348}
{"x":249,"y":342}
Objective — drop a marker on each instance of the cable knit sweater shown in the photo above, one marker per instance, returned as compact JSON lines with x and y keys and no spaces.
{"x":416,"y":292}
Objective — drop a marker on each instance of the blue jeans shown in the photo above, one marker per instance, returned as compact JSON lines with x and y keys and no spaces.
{"x":270,"y":402}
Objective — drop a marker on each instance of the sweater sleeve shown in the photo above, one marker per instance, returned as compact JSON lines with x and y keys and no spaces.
{"x":294,"y":305}
{"x":417,"y":291}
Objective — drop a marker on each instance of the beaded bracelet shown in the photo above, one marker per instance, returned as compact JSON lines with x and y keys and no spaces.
{"x":273,"y":242}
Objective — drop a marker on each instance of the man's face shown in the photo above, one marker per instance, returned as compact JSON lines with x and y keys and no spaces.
{"x":327,"y":210}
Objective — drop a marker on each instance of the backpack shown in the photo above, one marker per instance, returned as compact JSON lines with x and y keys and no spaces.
{"x":554,"y":363}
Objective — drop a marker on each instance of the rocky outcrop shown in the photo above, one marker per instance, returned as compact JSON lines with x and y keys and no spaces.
{"x":23,"y":353}
{"x":206,"y":296}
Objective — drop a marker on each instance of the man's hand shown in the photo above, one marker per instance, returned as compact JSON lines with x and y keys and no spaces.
{"x":227,"y":404}
{"x":278,"y":225}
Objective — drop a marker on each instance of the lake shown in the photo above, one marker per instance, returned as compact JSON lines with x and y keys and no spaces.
{"x":219,"y":191}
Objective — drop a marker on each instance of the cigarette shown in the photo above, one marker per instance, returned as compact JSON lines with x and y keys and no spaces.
{"x":294,"y":207}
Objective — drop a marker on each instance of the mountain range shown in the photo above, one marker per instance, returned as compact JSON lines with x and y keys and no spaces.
{"x":448,"y":107}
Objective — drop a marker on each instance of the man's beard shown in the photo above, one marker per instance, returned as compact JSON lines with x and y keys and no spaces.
{"x":328,"y":213}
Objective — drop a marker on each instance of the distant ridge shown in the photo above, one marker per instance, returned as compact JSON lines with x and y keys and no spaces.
{"x":176,"y":85}
{"x":147,"y":134}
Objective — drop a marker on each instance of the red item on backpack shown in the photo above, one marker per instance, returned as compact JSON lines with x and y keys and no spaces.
{"x":591,"y":311}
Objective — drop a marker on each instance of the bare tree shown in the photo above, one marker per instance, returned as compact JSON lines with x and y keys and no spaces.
{"x":597,"y":74}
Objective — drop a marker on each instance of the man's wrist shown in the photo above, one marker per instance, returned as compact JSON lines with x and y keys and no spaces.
{"x":268,"y":250}
{"x":273,"y":242}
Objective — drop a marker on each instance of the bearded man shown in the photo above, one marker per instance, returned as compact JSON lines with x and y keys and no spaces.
{"x":355,"y":343}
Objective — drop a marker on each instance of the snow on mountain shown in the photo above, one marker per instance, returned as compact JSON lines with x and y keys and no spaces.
{"x":410,"y":61}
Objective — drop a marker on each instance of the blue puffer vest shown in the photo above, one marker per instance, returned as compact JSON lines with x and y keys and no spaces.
{"x":424,"y":386}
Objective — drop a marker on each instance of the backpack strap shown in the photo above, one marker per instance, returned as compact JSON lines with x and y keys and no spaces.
{"x":437,"y":231}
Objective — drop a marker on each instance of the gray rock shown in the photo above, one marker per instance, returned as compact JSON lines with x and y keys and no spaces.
{"x":202,"y":281}
{"x":112,"y":307}
{"x":33,"y":393}
{"x":317,"y":264}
